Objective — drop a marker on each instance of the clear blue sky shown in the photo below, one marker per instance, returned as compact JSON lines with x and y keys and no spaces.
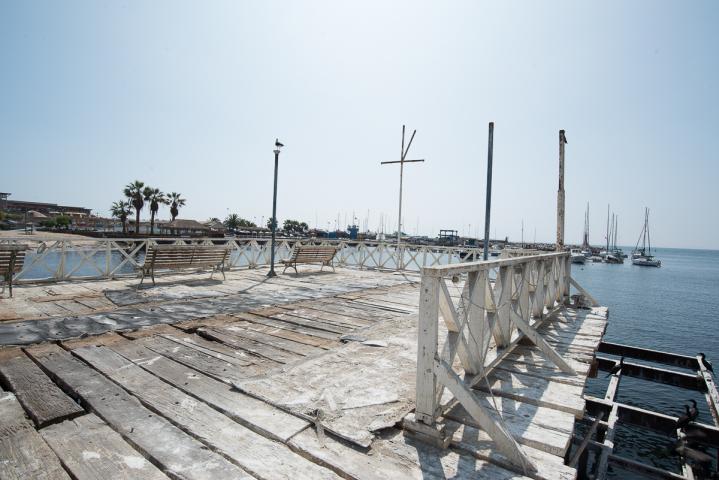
{"x":189,"y":96}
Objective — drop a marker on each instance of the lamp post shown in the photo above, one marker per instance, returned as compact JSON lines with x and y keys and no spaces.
{"x":272,"y":273}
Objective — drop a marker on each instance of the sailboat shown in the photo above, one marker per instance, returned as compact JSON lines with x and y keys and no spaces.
{"x":608,"y":255}
{"x":616,"y":251}
{"x":643,"y":256}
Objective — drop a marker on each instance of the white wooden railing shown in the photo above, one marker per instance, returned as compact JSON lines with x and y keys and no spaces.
{"x":82,"y":258}
{"x":501,"y":301}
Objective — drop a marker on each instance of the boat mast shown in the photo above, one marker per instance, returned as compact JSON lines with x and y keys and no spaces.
{"x":607,"y":251}
{"x":616,"y":230}
{"x":646,"y":227}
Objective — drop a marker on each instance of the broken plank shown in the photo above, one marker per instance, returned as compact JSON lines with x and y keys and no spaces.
{"x":220,"y":368}
{"x":287,"y":330}
{"x":90,"y":449}
{"x":44,"y":402}
{"x":250,"y":412}
{"x":298,"y":318}
{"x":176,"y":453}
{"x":23,"y":453}
{"x":258,"y":455}
{"x":256,"y":348}
{"x":262,"y":319}
{"x":241,"y":329}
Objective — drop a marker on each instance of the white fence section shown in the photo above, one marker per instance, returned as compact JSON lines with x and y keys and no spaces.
{"x":502,"y":300}
{"x":82,"y":258}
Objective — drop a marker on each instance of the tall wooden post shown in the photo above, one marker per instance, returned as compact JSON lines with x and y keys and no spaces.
{"x":560,"y":194}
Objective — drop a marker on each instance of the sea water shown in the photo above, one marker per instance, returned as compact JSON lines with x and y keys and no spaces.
{"x":674,"y":308}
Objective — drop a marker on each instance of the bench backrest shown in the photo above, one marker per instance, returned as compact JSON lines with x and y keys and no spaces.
{"x":186,"y":256}
{"x":14,"y":254}
{"x":312,"y":253}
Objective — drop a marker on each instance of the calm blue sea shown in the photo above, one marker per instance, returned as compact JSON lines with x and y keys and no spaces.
{"x":673,"y":308}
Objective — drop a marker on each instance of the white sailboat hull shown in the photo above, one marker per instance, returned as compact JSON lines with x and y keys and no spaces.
{"x":646,"y":262}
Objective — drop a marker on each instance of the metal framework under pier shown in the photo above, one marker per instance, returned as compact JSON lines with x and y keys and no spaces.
{"x":607,"y":413}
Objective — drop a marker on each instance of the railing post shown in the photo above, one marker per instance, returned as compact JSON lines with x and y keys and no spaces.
{"x":108,"y":258}
{"x":60,"y":273}
{"x":427,"y":349}
{"x":567,"y":277}
{"x":504,"y":325}
{"x":539,"y":294}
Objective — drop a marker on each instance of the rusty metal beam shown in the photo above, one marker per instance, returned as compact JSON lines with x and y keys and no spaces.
{"x":666,"y":358}
{"x":659,"y":422}
{"x":654,"y":374}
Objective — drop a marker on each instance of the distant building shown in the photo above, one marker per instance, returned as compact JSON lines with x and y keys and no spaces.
{"x":184,"y":227}
{"x":49,"y":209}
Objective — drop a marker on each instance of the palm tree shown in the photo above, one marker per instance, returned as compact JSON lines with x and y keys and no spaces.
{"x":175,"y":202}
{"x":232,"y":222}
{"x":155,"y":197}
{"x":135,"y":193}
{"x":121,"y":210}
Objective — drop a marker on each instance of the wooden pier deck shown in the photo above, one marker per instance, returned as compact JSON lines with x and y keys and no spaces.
{"x":300,"y":376}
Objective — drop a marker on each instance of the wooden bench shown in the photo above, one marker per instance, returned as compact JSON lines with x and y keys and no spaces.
{"x":176,"y":257}
{"x":12,"y":258}
{"x":310,"y":254}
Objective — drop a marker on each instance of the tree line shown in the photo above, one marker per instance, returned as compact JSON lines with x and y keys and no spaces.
{"x":137,"y":195}
{"x":235,"y":222}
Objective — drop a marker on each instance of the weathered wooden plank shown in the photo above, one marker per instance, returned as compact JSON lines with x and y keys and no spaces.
{"x":298,"y":317}
{"x":23,"y":453}
{"x":435,"y":463}
{"x":258,"y":455}
{"x":264,"y":319}
{"x":493,"y":425}
{"x":528,"y":424}
{"x":360,"y":388}
{"x":222,"y":369}
{"x":286,"y":330}
{"x":318,"y":313}
{"x":44,"y":402}
{"x":477,"y":442}
{"x":349,"y":462}
{"x":250,"y":412}
{"x":529,"y":355}
{"x":536,"y":391}
{"x":256,"y":348}
{"x":178,"y":454}
{"x":241,"y":329}
{"x":91,"y":450}
{"x":540,"y":371}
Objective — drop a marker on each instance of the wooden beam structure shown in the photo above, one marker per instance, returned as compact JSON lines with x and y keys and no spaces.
{"x":506,"y":310}
{"x":620,"y":413}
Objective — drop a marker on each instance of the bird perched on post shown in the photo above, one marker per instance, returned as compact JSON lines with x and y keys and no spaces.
{"x":685,"y":418}
{"x":706,"y":362}
{"x":277,"y":143}
{"x":616,"y":368}
{"x":690,"y":414}
{"x":693,"y":412}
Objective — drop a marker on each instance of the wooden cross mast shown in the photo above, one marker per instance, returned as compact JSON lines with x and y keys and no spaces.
{"x":401,"y":162}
